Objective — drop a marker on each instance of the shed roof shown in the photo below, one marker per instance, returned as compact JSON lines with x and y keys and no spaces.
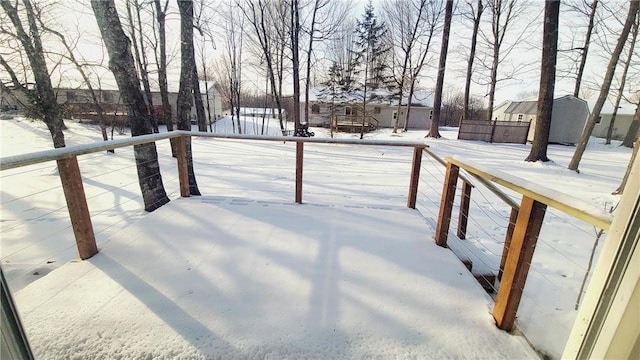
{"x":522,"y":107}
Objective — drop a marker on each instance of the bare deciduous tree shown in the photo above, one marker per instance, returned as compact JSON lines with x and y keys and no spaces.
{"x":136,"y":33}
{"x":437,"y":101}
{"x":476,"y":15}
{"x":585,"y":48}
{"x":408,"y":24}
{"x":505,"y":16}
{"x":326,"y":17}
{"x":606,"y":84}
{"x":122,"y":65}
{"x":623,"y":80}
{"x":266,"y":20}
{"x":623,"y":184}
{"x":161,"y":61}
{"x":185,"y":95}
{"x":45,"y":100}
{"x":547,"y":81}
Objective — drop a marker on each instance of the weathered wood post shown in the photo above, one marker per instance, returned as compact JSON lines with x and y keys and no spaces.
{"x":446,"y":204}
{"x":77,"y":205}
{"x":415,"y":177}
{"x":183,"y":172}
{"x":299,"y":163}
{"x":463,"y":216}
{"x":516,"y":267}
{"x":507,"y":240}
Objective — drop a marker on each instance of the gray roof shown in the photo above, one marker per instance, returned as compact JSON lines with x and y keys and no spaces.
{"x":522,"y":107}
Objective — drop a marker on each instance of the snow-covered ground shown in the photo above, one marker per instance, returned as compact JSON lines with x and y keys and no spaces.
{"x":36,"y":234}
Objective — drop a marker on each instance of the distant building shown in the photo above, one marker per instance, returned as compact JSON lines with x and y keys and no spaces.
{"x":380,"y":106}
{"x":569,"y":116}
{"x":111,"y":97}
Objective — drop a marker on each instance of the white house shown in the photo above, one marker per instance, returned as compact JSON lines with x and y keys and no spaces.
{"x":380,"y":106}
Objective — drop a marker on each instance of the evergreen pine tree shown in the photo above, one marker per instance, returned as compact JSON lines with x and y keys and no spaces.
{"x":372,"y":49}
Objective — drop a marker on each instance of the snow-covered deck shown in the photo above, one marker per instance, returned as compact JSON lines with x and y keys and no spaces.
{"x":216,"y":277}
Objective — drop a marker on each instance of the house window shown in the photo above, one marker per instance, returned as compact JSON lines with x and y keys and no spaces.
{"x":348,"y":111}
{"x":71,"y":96}
{"x":520,"y":117}
{"x":107,"y":97}
{"x":598,"y":119}
{"x":315,"y":109}
{"x":377,"y":110}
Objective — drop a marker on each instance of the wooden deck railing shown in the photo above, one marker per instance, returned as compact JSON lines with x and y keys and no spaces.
{"x":72,"y":185}
{"x":524,"y":227}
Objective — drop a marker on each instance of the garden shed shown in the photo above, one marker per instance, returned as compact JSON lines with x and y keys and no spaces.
{"x":569,"y":117}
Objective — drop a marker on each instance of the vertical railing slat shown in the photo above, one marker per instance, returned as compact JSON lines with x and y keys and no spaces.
{"x":299,"y":163}
{"x":446,"y":204}
{"x":463,"y":216}
{"x":183,"y":171}
{"x":415,"y":178}
{"x":71,"y":179}
{"x":507,"y":240}
{"x":516,"y":268}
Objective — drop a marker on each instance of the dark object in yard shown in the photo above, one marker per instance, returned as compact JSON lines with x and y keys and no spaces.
{"x":303,"y":131}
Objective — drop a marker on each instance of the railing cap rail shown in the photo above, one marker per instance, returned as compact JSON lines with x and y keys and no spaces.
{"x":10,"y":162}
{"x":563,"y":202}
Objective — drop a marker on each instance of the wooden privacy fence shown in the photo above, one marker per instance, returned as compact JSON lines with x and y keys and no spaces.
{"x":494,"y":131}
{"x":522,"y":232}
{"x":73,"y":189}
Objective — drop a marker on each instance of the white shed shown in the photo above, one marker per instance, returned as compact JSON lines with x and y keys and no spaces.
{"x":570,"y":114}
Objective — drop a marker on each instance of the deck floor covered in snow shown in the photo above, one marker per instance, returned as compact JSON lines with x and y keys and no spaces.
{"x":229,"y":278}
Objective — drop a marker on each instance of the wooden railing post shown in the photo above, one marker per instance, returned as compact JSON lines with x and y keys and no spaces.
{"x":507,"y":240}
{"x":299,"y":163}
{"x":516,"y":267}
{"x":463,"y":216}
{"x":415,"y":177}
{"x":446,"y":204}
{"x":183,"y":172}
{"x":77,"y":205}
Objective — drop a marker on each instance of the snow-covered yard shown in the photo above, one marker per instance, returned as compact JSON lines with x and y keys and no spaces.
{"x":254,"y":254}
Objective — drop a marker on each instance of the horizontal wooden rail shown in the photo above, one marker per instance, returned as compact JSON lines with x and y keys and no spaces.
{"x":563,"y":202}
{"x":73,"y":187}
{"x":10,"y":162}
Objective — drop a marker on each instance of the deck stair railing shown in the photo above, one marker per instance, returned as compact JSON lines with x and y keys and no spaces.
{"x":524,"y":226}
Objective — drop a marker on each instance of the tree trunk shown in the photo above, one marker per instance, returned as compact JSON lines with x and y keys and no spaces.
{"x":46,"y":101}
{"x":122,"y":65}
{"x":623,"y":80}
{"x":547,"y":81}
{"x":162,"y":71}
{"x":408,"y":114}
{"x":197,"y":98}
{"x":472,"y":55}
{"x":585,"y":49}
{"x":307,"y":84}
{"x":185,"y":96}
{"x":437,"y":101}
{"x":606,"y":85}
{"x":632,"y":133}
{"x":636,"y":119}
{"x":141,"y":61}
{"x":295,"y":52}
